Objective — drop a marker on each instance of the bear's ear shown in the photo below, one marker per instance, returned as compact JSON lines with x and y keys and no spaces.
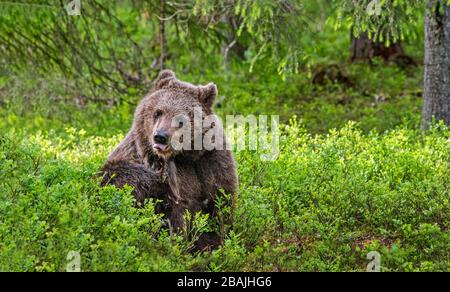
{"x":208,"y":95}
{"x":163,"y":80}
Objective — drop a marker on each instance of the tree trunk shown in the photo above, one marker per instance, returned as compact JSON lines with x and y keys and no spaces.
{"x":365,"y":49}
{"x":437,"y":63}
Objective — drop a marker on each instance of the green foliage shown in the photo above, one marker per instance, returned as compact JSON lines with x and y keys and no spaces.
{"x":324,"y":202}
{"x":268,"y":28}
{"x":99,"y":49}
{"x":323,"y":205}
{"x":52,"y":204}
{"x":385,"y":20}
{"x":117,"y":46}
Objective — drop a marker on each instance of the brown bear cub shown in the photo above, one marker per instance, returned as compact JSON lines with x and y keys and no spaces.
{"x":181,"y":179}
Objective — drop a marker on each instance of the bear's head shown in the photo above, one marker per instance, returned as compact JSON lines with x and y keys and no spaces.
{"x":165,"y":111}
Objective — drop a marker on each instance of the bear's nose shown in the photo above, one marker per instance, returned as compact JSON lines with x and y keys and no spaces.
{"x":161,"y":137}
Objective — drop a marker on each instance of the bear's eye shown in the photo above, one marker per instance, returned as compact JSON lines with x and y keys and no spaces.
{"x":157,"y":114}
{"x":180,"y":124}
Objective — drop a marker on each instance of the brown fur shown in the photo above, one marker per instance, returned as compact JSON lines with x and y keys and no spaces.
{"x":182,"y":180}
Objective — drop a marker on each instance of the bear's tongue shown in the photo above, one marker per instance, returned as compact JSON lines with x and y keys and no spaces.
{"x":159,"y":147}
